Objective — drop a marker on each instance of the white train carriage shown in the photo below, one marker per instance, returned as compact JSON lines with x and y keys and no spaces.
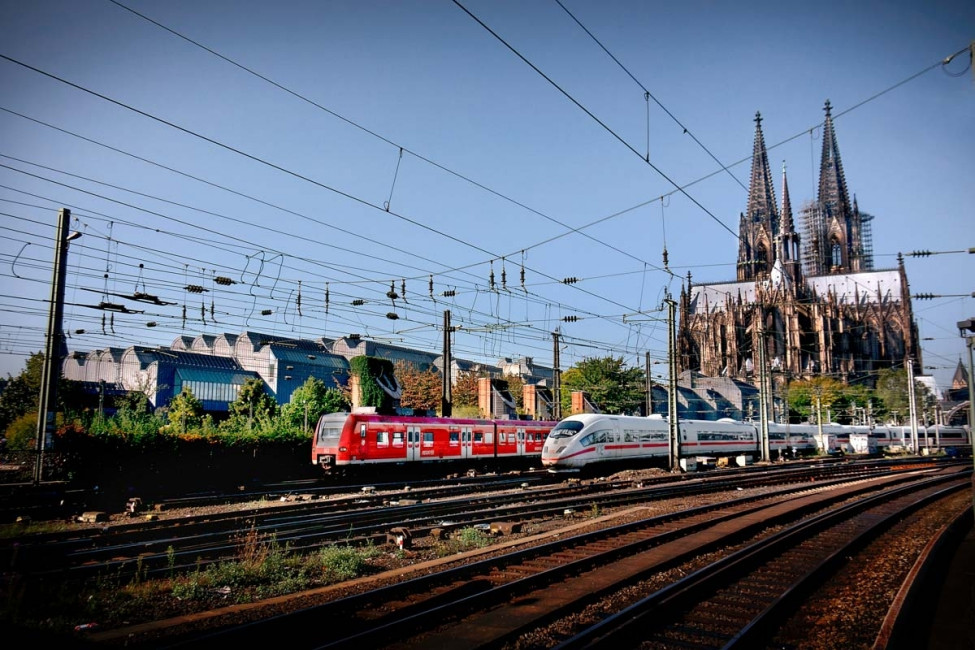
{"x":588,"y":439}
{"x":953,"y":440}
{"x":792,"y":440}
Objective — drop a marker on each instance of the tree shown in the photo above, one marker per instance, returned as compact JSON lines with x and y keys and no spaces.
{"x":802,"y":397}
{"x":420,"y":389}
{"x":613,"y":388}
{"x":464,"y":392}
{"x":185,"y":411}
{"x":253,"y":402}
{"x":516,"y":387}
{"x":22,"y":392}
{"x":894,"y":396}
{"x":314,"y":396}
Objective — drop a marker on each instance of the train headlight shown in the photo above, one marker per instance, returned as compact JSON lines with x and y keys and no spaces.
{"x":343,"y":449}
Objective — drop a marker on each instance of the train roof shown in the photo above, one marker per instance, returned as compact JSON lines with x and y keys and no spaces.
{"x":433,"y":419}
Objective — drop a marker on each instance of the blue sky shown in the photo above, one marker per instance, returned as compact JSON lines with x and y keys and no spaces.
{"x":530,"y":156}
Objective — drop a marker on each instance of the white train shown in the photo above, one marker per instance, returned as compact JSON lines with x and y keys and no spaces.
{"x":586,"y":439}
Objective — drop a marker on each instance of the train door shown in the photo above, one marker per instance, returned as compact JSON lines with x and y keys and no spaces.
{"x":412,"y":443}
{"x":520,"y":434}
{"x":466,"y":435}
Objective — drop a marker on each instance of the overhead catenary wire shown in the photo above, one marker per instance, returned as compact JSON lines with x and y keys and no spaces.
{"x":273,"y":165}
{"x":371,"y":132}
{"x":596,"y":119}
{"x":648,"y":96}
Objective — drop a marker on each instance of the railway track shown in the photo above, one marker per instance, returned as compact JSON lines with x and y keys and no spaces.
{"x":741,"y":600}
{"x":188,"y":543}
{"x":492,"y":601}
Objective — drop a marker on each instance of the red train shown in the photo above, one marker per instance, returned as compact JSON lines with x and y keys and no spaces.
{"x":344,"y":440}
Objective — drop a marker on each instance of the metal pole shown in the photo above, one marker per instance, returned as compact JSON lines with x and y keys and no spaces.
{"x":51,"y":372}
{"x":910,"y":396}
{"x":556,"y":378}
{"x":763,"y":395}
{"x":649,"y":387}
{"x":971,"y":391}
{"x":446,"y":392}
{"x":819,"y":422}
{"x":674,"y":425}
{"x":971,"y":405}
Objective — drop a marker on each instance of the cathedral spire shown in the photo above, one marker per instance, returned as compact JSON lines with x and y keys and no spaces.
{"x":759,"y":225}
{"x":761,"y":192}
{"x":834,"y":199}
{"x":787,"y":225}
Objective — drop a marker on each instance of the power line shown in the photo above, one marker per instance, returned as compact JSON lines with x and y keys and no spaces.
{"x":271,"y":165}
{"x":364,"y":129}
{"x":649,"y":95}
{"x":596,"y":119}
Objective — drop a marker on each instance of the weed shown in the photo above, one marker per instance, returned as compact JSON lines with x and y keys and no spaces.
{"x":341,"y":562}
{"x":468,"y":538}
{"x":171,"y":560}
{"x":595,"y":510}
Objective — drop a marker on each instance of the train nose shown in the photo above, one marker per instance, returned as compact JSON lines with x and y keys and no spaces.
{"x":551,"y":454}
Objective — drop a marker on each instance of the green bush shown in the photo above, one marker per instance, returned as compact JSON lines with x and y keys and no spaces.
{"x":22,"y":433}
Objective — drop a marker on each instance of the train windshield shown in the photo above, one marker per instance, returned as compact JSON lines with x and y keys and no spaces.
{"x":566,"y":429}
{"x":329,"y":431}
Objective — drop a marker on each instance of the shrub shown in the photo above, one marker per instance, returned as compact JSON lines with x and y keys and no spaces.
{"x":22,"y":433}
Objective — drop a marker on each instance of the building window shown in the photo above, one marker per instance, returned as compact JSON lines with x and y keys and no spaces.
{"x":761,"y":259}
{"x":836,"y":253}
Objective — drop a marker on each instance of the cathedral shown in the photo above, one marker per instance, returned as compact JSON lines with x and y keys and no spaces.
{"x":809,"y":295}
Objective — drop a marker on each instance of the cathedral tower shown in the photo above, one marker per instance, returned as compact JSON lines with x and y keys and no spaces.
{"x":832,"y":225}
{"x":758,"y":227}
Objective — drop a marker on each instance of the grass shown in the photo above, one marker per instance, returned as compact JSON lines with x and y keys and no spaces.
{"x":465,"y":539}
{"x":262,"y":568}
{"x":20,"y":529}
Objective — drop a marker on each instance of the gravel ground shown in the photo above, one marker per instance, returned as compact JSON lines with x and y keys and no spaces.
{"x":846,"y":614}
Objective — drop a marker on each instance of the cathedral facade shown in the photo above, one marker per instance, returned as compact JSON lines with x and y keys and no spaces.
{"x":806,"y":301}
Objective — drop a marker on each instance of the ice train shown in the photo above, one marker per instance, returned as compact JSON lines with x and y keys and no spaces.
{"x":586,"y":440}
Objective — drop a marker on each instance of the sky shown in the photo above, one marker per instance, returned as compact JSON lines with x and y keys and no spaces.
{"x":267,"y":166}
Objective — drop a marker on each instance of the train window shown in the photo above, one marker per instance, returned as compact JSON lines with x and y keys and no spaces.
{"x":489,"y":437}
{"x":454,"y":438}
{"x":397,"y":438}
{"x":478,"y":436}
{"x":428,"y":438}
{"x":521,"y":436}
{"x":382,"y":438}
{"x":362,"y":432}
{"x":586,"y":440}
{"x":502,"y":437}
{"x":647,"y":436}
{"x":566,"y":429}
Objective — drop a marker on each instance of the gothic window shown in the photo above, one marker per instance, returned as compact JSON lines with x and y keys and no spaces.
{"x":836,"y":253}
{"x":761,"y":259}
